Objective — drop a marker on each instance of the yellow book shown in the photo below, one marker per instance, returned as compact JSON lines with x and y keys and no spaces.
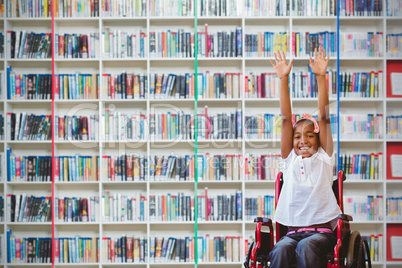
{"x":65,"y":167}
{"x":372,"y":77}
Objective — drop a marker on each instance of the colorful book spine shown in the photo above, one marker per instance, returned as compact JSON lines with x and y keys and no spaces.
{"x":264,"y":8}
{"x":29,"y":86}
{"x":29,"y":9}
{"x":76,"y":86}
{"x":393,"y":45}
{"x":77,"y":209}
{"x":126,"y":85}
{"x":364,"y":208}
{"x":122,"y":44}
{"x":261,"y":85}
{"x":124,"y":208}
{"x":394,"y":8}
{"x":262,"y":167}
{"x":361,"y":8}
{"x":219,"y":44}
{"x":28,"y":208}
{"x":124,"y":249}
{"x":265,"y":44}
{"x":361,"y":126}
{"x":304,"y":85}
{"x":376,"y":246}
{"x":362,"y":166}
{"x":119,"y":126}
{"x":28,"y":249}
{"x":126,"y":167}
{"x":77,"y":249}
{"x":171,"y":207}
{"x":77,"y":127}
{"x":219,"y":167}
{"x":263,"y":126}
{"x":220,"y":8}
{"x":220,"y":206}
{"x":358,"y":44}
{"x":27,"y":126}
{"x":220,"y":249}
{"x":260,"y":206}
{"x":310,"y":8}
{"x":394,"y":209}
{"x":304,"y":43}
{"x":135,"y":8}
{"x":29,"y":168}
{"x":77,"y":9}
{"x":394,"y":127}
{"x":76,"y":168}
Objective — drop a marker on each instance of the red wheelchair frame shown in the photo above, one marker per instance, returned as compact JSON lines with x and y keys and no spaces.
{"x":349,"y":247}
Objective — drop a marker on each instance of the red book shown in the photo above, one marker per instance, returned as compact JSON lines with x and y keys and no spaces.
{"x":112,"y":93}
{"x":112,"y":252}
{"x":61,"y":209}
{"x":56,"y":169}
{"x":207,"y":204}
{"x":112,"y":175}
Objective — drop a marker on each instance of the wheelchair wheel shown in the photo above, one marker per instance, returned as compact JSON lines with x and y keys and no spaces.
{"x":357,"y":249}
{"x":354,"y":248}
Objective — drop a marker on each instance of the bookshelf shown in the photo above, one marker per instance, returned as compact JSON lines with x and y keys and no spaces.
{"x":98,"y":104}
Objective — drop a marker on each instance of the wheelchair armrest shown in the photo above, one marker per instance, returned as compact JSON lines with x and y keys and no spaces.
{"x":345,"y":217}
{"x":265,"y":221}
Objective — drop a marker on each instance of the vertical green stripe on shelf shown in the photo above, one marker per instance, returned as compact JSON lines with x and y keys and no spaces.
{"x":195,"y":135}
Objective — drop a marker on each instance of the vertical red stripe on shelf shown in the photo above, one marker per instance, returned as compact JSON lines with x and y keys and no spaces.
{"x":53,"y":165}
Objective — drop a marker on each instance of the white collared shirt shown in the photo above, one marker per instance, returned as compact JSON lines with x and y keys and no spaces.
{"x":307,"y":197}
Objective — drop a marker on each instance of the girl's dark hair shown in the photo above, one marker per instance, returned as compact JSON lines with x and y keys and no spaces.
{"x":308,"y":121}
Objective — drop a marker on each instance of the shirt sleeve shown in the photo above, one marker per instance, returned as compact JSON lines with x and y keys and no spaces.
{"x":288,"y":160}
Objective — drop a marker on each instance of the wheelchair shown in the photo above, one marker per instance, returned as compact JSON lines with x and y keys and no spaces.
{"x":351,"y":249}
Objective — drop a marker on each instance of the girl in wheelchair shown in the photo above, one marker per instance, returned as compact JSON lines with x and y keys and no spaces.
{"x":307,"y":204}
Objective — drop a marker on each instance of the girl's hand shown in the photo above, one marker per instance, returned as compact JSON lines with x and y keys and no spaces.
{"x":319,"y":66}
{"x":282,"y":69}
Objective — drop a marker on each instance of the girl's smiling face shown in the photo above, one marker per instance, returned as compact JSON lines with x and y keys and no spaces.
{"x":305,"y":141}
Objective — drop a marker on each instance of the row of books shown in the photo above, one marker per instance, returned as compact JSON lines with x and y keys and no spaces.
{"x":76,"y":168}
{"x":304,"y":85}
{"x":361,"y":126}
{"x":172,"y":167}
{"x":75,"y":46}
{"x":126,"y":167}
{"x":171,"y":44}
{"x":393,"y":45}
{"x":29,"y":86}
{"x":304,"y":43}
{"x":220,"y":206}
{"x":224,"y":125}
{"x":119,"y":207}
{"x":76,"y":8}
{"x":182,"y":86}
{"x":221,"y":43}
{"x":364,"y":208}
{"x":307,"y":8}
{"x":219,"y":167}
{"x":125,"y":8}
{"x":362,"y":166}
{"x":76,"y":86}
{"x":28,"y":208}
{"x":376,"y":246}
{"x":122,"y":126}
{"x":124,"y":249}
{"x":265,"y":44}
{"x":27,"y":126}
{"x":394,"y":209}
{"x":122,"y":44}
{"x":27,"y":44}
{"x":171,"y":207}
{"x":126,"y":85}
{"x":28,"y":249}
{"x":265,"y":8}
{"x":77,"y":127}
{"x":29,"y":168}
{"x":361,"y":85}
{"x":262,"y":167}
{"x":260,"y":206}
{"x":394,"y":8}
{"x":361,"y":44}
{"x":76,"y":209}
{"x":394,"y":127}
{"x":176,"y":8}
{"x":76,"y":249}
{"x":29,"y":8}
{"x":263,"y":126}
{"x":221,"y":8}
{"x":171,"y":126}
{"x":360,"y":8}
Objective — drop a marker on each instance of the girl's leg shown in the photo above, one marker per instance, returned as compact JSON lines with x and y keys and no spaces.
{"x":283,"y":253}
{"x":312,"y":251}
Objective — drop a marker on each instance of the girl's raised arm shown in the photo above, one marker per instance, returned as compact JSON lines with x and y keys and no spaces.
{"x":282,"y":69}
{"x":319,"y":68}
